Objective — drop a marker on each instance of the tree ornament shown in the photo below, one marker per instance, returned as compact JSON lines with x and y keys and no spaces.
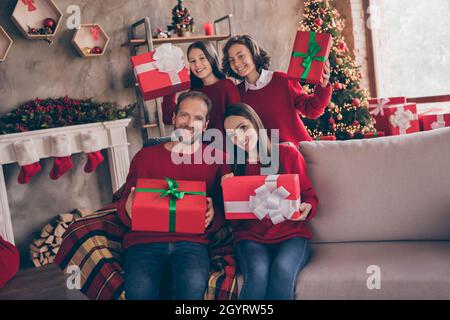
{"x":96,"y":50}
{"x":339,"y":117}
{"x":337,"y":86}
{"x":331,"y":106}
{"x":356,"y":102}
{"x":318,"y":22}
{"x":49,"y":23}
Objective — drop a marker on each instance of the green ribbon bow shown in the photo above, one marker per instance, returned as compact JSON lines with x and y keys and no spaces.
{"x":310,"y":56}
{"x":175,"y":195}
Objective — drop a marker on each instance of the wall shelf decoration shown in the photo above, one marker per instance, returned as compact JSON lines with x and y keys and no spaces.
{"x":90,"y":40}
{"x":37,"y":19}
{"x":5,"y":44}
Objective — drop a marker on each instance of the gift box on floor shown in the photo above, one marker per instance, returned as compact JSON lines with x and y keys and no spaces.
{"x":309,"y":54}
{"x":435,"y":120}
{"x":377,"y":107}
{"x":169,"y":206}
{"x":402,"y":119}
{"x":372,"y":135}
{"x":276,"y":197}
{"x":325,"y":138}
{"x":161,"y":72}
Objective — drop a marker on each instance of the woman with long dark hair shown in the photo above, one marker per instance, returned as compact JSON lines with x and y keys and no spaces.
{"x":268,"y":255}
{"x":208,"y":78}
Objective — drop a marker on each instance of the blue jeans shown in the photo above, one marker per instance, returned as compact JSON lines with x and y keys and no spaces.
{"x":270,"y":270}
{"x":145,"y":264}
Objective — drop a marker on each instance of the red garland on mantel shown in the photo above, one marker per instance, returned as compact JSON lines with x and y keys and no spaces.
{"x":60,"y":112}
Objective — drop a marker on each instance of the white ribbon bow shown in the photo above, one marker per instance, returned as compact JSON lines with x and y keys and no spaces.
{"x":168,"y":59}
{"x":269,"y":201}
{"x":439,"y":123}
{"x":379,"y":107}
{"x":402,"y":119}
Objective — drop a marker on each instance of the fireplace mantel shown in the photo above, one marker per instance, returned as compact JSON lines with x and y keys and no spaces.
{"x":112,"y":136}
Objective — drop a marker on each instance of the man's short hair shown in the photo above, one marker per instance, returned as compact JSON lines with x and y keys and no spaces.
{"x":193,"y":95}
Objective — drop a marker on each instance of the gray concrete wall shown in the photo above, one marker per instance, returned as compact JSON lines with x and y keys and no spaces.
{"x":34,"y":69}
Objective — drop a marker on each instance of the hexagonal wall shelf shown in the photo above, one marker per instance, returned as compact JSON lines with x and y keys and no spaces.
{"x":90,"y":40}
{"x":5,"y":44}
{"x":37,"y":19}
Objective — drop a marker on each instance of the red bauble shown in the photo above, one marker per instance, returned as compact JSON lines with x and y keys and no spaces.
{"x":337,"y":86}
{"x":318,"y":22}
{"x":96,"y":50}
{"x":342,"y":46}
{"x":356,"y":102}
{"x":355,"y":123}
{"x":49,"y":23}
{"x":331,"y":121}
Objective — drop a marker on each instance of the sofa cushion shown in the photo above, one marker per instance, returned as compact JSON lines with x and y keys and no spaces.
{"x":389,"y":188}
{"x":408,"y":270}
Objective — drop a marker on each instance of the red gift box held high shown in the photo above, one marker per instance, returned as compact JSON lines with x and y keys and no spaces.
{"x":161,"y":72}
{"x":257,"y":197}
{"x":310,"y":52}
{"x":169,"y":206}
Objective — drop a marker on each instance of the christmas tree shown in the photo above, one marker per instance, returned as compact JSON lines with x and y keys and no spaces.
{"x":347,"y":115}
{"x":181,"y":20}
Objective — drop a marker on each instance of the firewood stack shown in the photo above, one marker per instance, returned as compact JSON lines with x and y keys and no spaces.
{"x":44,"y":248}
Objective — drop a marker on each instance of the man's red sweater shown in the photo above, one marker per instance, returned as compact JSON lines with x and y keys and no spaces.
{"x":264,"y":231}
{"x":155,"y":162}
{"x":222,"y":94}
{"x":9,"y":261}
{"x":279,"y":103}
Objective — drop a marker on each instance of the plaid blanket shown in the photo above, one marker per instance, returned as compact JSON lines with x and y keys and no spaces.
{"x":94,"y":244}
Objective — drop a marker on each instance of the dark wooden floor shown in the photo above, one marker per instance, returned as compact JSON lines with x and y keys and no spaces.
{"x":44,"y":283}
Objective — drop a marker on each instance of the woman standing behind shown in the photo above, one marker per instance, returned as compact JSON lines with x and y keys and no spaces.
{"x":269,"y":256}
{"x":276,"y":99}
{"x":206,"y":77}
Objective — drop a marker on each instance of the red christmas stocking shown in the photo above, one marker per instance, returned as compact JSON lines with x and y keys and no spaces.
{"x":91,"y":146}
{"x":60,"y":166}
{"x":28,"y":160}
{"x":28,"y":171}
{"x":94,"y":159}
{"x":61,"y":152}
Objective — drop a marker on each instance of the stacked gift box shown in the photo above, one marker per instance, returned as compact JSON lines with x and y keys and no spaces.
{"x":394,"y":116}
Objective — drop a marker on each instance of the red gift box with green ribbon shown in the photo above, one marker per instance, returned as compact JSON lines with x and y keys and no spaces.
{"x":169,"y":206}
{"x":310,"y":52}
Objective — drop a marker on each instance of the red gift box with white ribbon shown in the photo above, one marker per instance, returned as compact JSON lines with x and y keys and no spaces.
{"x":275,"y":197}
{"x":161,"y":72}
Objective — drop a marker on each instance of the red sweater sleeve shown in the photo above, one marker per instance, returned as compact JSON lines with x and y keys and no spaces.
{"x":313,"y":105}
{"x":131,"y":182}
{"x":307,"y":193}
{"x":168,"y":107}
{"x":233,"y":95}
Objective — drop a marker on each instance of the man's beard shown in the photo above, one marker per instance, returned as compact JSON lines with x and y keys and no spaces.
{"x":179,"y":136}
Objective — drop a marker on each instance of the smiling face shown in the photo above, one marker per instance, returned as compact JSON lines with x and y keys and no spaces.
{"x":241,"y":60}
{"x":241,"y":132}
{"x":190,"y":120}
{"x":199,"y":64}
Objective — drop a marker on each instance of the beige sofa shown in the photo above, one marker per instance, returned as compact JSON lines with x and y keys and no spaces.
{"x":382,"y":230}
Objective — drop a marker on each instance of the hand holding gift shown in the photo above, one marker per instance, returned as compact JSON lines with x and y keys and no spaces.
{"x":129,"y":203}
{"x":209,"y":212}
{"x":305,"y":209}
{"x":326,"y":74}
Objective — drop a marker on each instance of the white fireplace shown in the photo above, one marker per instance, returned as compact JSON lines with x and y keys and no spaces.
{"x":112,"y":136}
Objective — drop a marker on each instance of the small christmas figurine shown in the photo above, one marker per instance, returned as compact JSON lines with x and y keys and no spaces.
{"x":182,"y":22}
{"x":161,"y":34}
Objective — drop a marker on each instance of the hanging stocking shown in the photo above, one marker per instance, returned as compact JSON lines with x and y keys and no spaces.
{"x":91,"y":146}
{"x":28,"y":160}
{"x":61,"y":152}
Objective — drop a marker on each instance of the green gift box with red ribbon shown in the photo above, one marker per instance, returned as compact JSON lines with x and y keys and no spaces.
{"x":166,"y":205}
{"x":309,"y":54}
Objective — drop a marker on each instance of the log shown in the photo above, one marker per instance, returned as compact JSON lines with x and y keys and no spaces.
{"x":33,"y":248}
{"x":36,"y":263}
{"x":55,"y":250}
{"x":51,"y":259}
{"x":66,"y":217}
{"x":43,"y":249}
{"x":50,"y":239}
{"x":39,"y":242}
{"x":59,"y":231}
{"x":82,"y":212}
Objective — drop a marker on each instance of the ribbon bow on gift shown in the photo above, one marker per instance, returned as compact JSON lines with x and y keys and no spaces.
{"x":271,"y":201}
{"x":402,"y":119}
{"x":379,"y":108}
{"x":168,"y":59}
{"x":175,"y":194}
{"x":313,"y":50}
{"x":30,"y":4}
{"x":439,"y":123}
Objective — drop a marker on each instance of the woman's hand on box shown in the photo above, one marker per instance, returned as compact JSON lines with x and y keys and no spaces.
{"x":305,"y":209}
{"x":226,"y":176}
{"x":129,"y":202}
